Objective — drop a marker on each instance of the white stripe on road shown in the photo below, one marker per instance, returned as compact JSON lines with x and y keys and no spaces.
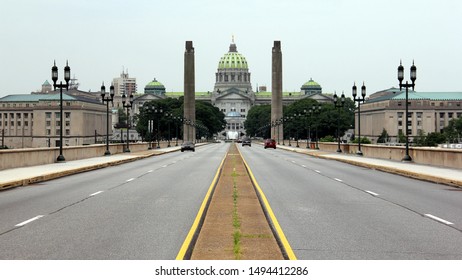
{"x":96,"y":193}
{"x":338,"y":180}
{"x":372,"y":193}
{"x":164,"y":165}
{"x":438,"y":219}
{"x":293,"y":161}
{"x":131,"y":179}
{"x":317,"y":171}
{"x":150,"y":171}
{"x":303,"y":165}
{"x":28,"y":221}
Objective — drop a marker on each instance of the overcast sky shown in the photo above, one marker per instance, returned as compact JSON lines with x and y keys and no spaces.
{"x":335,"y":42}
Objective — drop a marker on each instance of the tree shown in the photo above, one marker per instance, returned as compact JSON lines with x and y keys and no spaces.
{"x":383,"y":138}
{"x":453,"y":131}
{"x":258,"y":120}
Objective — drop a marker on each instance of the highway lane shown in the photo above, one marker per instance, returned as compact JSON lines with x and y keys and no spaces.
{"x":332,"y":210}
{"x":138,"y":210}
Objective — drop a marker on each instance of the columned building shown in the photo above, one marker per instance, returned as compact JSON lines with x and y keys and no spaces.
{"x":428,"y":112}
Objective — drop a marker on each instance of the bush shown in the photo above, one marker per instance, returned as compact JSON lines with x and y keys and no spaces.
{"x":364,"y":140}
{"x":328,"y":138}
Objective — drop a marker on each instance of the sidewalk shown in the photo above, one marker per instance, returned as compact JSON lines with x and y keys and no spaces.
{"x":435,"y":174}
{"x":17,"y":177}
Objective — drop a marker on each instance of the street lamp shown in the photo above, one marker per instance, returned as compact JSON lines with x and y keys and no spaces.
{"x":107,"y":99}
{"x":127,"y":105}
{"x":169,"y":117}
{"x":308,"y":136}
{"x":359,"y":100}
{"x":316,"y":110}
{"x":67,"y":78}
{"x":339,"y":104}
{"x":407,"y":158}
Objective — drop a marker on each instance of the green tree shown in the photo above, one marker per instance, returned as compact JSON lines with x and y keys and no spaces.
{"x":258,"y":121}
{"x":434,"y":138}
{"x":453,"y":131}
{"x":401,"y":137}
{"x":383,"y":138}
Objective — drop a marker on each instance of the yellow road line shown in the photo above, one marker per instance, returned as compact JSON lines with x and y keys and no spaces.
{"x":187,"y":242}
{"x":285,"y":243}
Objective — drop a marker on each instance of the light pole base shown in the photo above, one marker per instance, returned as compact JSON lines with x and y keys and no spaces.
{"x":359,"y":153}
{"x":126,"y":150}
{"x":407,"y":158}
{"x":107,"y":153}
{"x":60,"y":158}
{"x":339,"y":150}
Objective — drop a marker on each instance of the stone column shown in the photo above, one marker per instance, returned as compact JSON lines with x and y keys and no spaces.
{"x":276,"y":92}
{"x":189,"y":113}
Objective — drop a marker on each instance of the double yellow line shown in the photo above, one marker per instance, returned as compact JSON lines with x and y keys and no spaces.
{"x":268,"y":211}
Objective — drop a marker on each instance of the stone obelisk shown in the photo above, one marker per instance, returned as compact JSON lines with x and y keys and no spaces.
{"x":277,"y":132}
{"x":189,"y":114}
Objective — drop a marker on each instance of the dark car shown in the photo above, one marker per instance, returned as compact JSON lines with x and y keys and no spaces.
{"x":246,"y":141}
{"x":188,"y":145}
{"x":270,"y":143}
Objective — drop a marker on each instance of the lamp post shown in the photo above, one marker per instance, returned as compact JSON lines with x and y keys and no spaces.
{"x":107,"y":99}
{"x":67,"y":78}
{"x":339,"y":104}
{"x":128,"y":105}
{"x":407,"y":158}
{"x":316,"y":110}
{"x":359,"y":100}
{"x":169,"y":116}
{"x":296,"y":131}
{"x":308,"y":130}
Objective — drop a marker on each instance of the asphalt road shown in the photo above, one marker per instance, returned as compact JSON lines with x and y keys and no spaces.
{"x":138,"y":210}
{"x":332,"y":210}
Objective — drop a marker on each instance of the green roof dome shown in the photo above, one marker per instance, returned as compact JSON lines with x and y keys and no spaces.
{"x":155,"y":84}
{"x":233,"y":59}
{"x":311,"y":84}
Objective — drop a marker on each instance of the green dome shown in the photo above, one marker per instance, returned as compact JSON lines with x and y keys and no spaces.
{"x":233,"y":60}
{"x":311,"y":84}
{"x":155,"y":84}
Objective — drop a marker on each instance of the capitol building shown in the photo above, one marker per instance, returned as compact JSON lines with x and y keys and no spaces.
{"x":233,"y":93}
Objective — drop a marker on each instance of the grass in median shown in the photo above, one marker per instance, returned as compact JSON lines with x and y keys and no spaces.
{"x":236,"y":221}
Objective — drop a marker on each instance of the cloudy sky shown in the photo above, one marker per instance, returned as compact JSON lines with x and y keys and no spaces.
{"x":335,"y":42}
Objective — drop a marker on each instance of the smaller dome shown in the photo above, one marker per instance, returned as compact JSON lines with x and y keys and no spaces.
{"x":155,"y":87}
{"x":154,"y":84}
{"x":311,"y":84}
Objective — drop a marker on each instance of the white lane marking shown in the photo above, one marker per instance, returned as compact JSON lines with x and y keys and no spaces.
{"x":438,"y":219}
{"x":338,"y":180}
{"x":293,"y":161}
{"x":303,"y":165}
{"x":150,"y":171}
{"x":96,"y":193}
{"x":372,"y":193}
{"x":131,"y":179}
{"x":29,"y":221}
{"x":317,"y":171}
{"x":163,"y":166}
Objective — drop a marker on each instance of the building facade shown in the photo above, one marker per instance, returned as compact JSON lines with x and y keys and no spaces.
{"x":34,"y":120}
{"x":428,"y":112}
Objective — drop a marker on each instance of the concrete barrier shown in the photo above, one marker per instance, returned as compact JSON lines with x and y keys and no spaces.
{"x":13,"y":158}
{"x":451,"y":158}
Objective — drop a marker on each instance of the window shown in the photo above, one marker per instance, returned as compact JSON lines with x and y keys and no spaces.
{"x":26,"y":123}
{"x":242,"y":110}
{"x":442,"y":115}
{"x":68,"y":132}
{"x":57,"y":115}
{"x":419,"y":115}
{"x":68,"y":123}
{"x":58,"y":123}
{"x":48,"y":131}
{"x":48,"y":123}
{"x":57,"y":131}
{"x":48,"y":115}
{"x":450,"y":115}
{"x":68,"y":115}
{"x":18,"y":115}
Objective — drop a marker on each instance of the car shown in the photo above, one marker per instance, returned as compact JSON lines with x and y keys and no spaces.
{"x":246,"y":141}
{"x":270,"y":143}
{"x":188,"y":145}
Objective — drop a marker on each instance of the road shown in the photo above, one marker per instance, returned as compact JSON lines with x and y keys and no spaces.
{"x":332,"y":210}
{"x":138,"y":210}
